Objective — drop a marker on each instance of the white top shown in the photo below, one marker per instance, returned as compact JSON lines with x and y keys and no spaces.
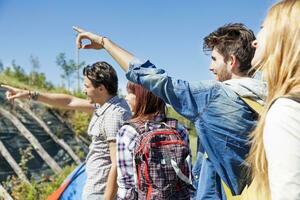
{"x":282,"y":145}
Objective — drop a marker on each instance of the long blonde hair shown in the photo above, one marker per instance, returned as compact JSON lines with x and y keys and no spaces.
{"x":280,"y":64}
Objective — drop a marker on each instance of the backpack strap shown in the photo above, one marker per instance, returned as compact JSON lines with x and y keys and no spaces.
{"x":293,"y":96}
{"x":144,"y":126}
{"x":172,"y":123}
{"x":179,"y":173}
{"x":257,"y":108}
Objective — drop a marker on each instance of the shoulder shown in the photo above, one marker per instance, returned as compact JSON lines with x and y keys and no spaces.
{"x":128,"y":132}
{"x":285,"y":111}
{"x":128,"y":128}
{"x":283,"y":120}
{"x":180,"y":128}
{"x":284,"y":108}
{"x":172,"y":122}
{"x":120,"y":108}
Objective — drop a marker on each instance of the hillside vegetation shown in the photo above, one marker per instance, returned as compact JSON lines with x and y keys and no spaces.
{"x":15,"y":76}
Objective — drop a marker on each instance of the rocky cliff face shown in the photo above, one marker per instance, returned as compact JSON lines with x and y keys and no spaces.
{"x":37,"y":132}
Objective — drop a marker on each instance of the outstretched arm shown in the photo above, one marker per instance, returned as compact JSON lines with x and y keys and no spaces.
{"x":121,"y":56}
{"x":178,"y":93}
{"x":56,"y":100}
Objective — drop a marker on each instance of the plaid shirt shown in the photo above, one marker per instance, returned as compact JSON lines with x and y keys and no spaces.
{"x":126,"y":140}
{"x":103,"y":128}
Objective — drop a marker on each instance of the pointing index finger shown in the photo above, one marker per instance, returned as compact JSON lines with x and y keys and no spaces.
{"x":6,"y":87}
{"x":77,"y":29}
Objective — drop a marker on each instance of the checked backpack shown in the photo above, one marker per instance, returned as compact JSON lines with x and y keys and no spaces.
{"x":162,"y":161}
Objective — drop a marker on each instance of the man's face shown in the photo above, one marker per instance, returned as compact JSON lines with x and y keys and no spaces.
{"x":92,"y":93}
{"x":218,"y":67}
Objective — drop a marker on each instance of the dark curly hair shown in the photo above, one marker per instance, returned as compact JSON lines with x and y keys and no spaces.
{"x":102,"y":73}
{"x":232,"y":39}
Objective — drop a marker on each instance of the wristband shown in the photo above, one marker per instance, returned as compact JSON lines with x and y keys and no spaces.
{"x":34,"y":95}
{"x":102,"y":41}
{"x":29,"y":94}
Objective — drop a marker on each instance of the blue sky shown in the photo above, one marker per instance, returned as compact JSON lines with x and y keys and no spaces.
{"x":167,"y":32}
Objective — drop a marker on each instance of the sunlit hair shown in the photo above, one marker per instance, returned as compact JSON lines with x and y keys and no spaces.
{"x":232,"y":39}
{"x":147,"y":104}
{"x":102,"y":73}
{"x":280,"y":64}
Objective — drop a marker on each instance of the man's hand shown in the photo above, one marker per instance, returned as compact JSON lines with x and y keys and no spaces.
{"x":14,"y":93}
{"x":120,"y":55}
{"x":96,"y":41}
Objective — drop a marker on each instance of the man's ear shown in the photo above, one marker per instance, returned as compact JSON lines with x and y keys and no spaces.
{"x":100,"y":88}
{"x":233,"y":62}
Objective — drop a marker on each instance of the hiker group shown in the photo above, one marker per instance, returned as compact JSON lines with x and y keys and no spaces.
{"x":247,"y":120}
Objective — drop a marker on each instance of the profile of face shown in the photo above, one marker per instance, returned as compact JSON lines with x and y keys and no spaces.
{"x":218,"y":67}
{"x":259,"y":45}
{"x":130,"y":98}
{"x":93,"y":94}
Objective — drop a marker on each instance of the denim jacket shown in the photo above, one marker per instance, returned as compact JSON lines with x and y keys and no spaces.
{"x":222,"y":120}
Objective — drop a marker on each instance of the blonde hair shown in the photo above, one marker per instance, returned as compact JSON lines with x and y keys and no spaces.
{"x":280,"y":64}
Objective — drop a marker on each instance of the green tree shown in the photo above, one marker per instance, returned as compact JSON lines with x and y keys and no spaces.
{"x":8,"y":71}
{"x":68,"y":67}
{"x":35,"y":63}
{"x":19,"y":72}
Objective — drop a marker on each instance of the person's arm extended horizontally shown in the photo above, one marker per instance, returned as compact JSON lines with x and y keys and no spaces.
{"x":53,"y":99}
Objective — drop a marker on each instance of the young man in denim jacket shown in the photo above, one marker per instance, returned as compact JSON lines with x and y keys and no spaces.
{"x":223,"y":121}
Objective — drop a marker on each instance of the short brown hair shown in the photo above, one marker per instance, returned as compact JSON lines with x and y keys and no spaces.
{"x":102,"y":73}
{"x":232,"y":39}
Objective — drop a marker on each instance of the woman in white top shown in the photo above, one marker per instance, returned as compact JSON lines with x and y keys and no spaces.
{"x":275,"y":152}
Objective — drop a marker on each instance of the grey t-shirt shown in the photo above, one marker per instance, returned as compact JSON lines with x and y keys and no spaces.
{"x":104,"y":125}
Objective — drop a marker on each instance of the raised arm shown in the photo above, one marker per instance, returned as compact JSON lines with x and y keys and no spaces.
{"x":121,"y":56}
{"x":179,"y":94}
{"x":56,"y":100}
